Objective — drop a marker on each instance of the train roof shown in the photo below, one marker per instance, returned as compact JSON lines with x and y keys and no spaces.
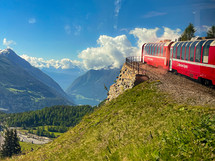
{"x":193,"y":42}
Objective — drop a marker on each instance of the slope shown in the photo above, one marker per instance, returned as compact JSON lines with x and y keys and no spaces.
{"x":141,"y":124}
{"x":20,"y":91}
{"x":35,"y":72}
{"x":89,"y":88}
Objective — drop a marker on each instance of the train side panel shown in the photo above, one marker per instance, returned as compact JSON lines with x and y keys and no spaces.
{"x":157,"y":54}
{"x":200,"y":63}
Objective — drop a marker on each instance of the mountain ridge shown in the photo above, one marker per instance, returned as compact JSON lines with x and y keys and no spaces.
{"x":20,"y":90}
{"x":89,"y":88}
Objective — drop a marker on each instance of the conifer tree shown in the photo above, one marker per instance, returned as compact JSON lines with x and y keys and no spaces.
{"x":211,"y":32}
{"x":11,"y":144}
{"x":15,"y":140}
{"x":188,"y":33}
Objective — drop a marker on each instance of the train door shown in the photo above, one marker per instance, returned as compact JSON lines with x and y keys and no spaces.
{"x":142,"y":55}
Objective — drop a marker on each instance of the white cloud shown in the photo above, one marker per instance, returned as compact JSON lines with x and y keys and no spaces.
{"x":67,"y":29}
{"x":32,"y":20}
{"x":201,"y":29}
{"x":170,"y":34}
{"x":111,"y":53}
{"x":8,"y":43}
{"x":145,"y":35}
{"x":154,"y":14}
{"x":75,"y":29}
{"x":78,"y":29}
{"x":117,"y":4}
{"x":41,"y":63}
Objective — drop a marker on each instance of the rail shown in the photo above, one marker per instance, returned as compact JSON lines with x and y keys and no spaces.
{"x":133,"y":62}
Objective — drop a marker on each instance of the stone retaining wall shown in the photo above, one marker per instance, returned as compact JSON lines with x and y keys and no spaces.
{"x":127,"y":79}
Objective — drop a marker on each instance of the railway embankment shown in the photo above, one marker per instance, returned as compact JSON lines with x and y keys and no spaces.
{"x":183,"y":90}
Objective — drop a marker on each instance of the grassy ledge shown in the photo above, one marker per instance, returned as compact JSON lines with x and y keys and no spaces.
{"x":141,"y":124}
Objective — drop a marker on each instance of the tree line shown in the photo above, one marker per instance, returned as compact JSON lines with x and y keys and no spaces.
{"x":56,"y":115}
{"x":189,"y":32}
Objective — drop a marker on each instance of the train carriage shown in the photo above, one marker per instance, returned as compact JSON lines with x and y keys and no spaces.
{"x":195,"y":59}
{"x":156,"y":54}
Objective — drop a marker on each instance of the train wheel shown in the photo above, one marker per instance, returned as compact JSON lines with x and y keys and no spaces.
{"x":208,"y":82}
{"x":201,"y":80}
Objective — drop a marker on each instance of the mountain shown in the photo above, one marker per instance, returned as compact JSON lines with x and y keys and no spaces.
{"x":141,"y":124}
{"x":63,"y":77}
{"x":35,"y":72}
{"x":90,"y":87}
{"x":24,"y":88}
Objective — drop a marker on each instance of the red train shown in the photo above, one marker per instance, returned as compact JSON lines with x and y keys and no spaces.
{"x":195,"y":59}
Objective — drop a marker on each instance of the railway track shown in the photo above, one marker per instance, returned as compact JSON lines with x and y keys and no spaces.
{"x":182,"y":89}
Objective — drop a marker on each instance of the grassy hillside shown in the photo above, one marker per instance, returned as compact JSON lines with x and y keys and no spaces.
{"x":141,"y":124}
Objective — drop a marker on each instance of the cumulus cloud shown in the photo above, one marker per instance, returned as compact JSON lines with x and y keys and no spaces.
{"x":8,"y":43}
{"x":67,"y":29}
{"x":111,"y":53}
{"x":145,"y":35}
{"x":170,"y":34}
{"x":32,"y":20}
{"x":154,"y":14}
{"x":41,"y":63}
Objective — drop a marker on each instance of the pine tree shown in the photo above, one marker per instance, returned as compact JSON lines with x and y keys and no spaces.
{"x":17,"y":147}
{"x":188,"y":33}
{"x":11,"y":144}
{"x":211,"y":32}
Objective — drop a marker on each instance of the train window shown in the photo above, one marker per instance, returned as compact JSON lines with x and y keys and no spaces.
{"x":159,"y":49}
{"x":162,"y":50}
{"x":183,"y":51}
{"x":148,"y":49}
{"x":145,"y":49}
{"x":153,"y":49}
{"x":192,"y":47}
{"x":198,"y":51}
{"x":206,"y":51}
{"x":156,"y":49}
{"x":174,"y":49}
{"x":171,"y":51}
{"x":187,"y":50}
{"x":179,"y":50}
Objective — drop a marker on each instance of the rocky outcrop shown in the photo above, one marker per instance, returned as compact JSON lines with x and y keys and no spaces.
{"x":127,"y":79}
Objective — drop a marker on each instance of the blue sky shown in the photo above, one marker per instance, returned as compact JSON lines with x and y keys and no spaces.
{"x":57,"y":29}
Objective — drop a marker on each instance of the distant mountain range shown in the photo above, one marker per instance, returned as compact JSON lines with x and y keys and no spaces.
{"x":90,"y":87}
{"x":24,"y":87}
{"x":64,"y":77}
